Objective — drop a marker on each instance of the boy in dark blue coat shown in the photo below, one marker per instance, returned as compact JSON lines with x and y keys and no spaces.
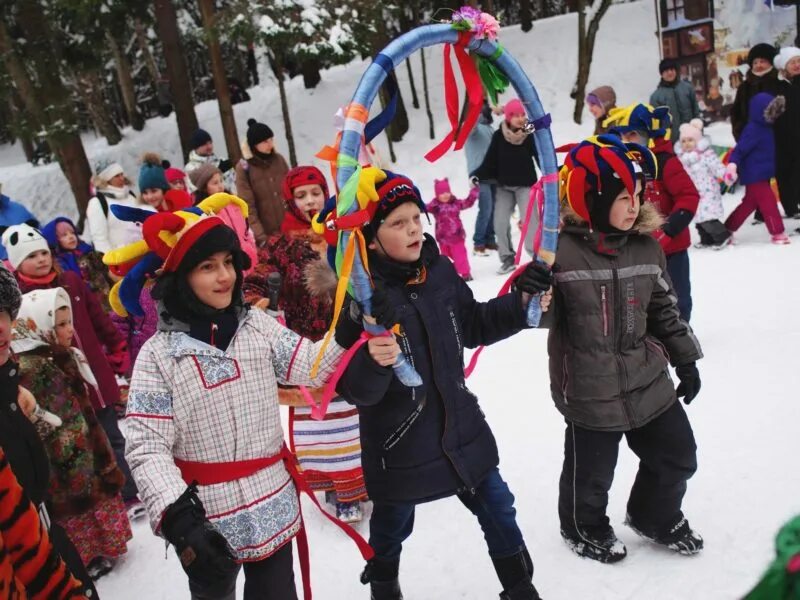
{"x":429,"y":442}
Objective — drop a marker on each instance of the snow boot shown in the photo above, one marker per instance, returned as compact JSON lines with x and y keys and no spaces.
{"x":781,"y":239}
{"x":480,"y":251}
{"x":598,"y":543}
{"x":680,"y":538}
{"x":382,"y":577}
{"x":515,"y":573}
{"x":507,"y":266}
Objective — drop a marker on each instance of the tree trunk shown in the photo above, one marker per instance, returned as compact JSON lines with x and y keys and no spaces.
{"x":220,"y":82}
{"x":90,"y":89}
{"x":16,"y":108}
{"x":277,"y":69}
{"x":311,"y":74}
{"x":144,"y":46}
{"x":488,"y":6}
{"x":586,"y":39}
{"x":526,"y":24}
{"x":414,"y":98}
{"x":179,"y":82}
{"x":123,"y":66}
{"x":431,"y":131}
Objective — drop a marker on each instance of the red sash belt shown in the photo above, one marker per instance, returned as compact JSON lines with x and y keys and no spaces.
{"x":212,"y":473}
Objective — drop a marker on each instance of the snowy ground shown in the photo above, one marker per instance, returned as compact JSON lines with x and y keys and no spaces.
{"x":745,"y":420}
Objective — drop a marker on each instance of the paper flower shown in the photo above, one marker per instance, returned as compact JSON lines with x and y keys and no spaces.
{"x":481,"y":24}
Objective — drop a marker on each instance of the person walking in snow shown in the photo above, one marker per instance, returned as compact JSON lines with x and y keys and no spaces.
{"x":478,"y":142}
{"x":509,"y":163}
{"x":599,"y":101}
{"x":706,"y":170}
{"x":205,"y":441}
{"x":614,"y":329}
{"x":259,"y":179}
{"x":202,"y":153}
{"x":787,"y":133}
{"x":676,"y":94}
{"x":761,"y":77}
{"x":432,"y":441}
{"x":450,"y":234}
{"x":752,"y":162}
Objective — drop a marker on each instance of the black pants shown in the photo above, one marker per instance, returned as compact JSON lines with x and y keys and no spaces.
{"x":108,"y":420}
{"x":788,"y":180}
{"x":668,"y":458}
{"x":268,"y":579}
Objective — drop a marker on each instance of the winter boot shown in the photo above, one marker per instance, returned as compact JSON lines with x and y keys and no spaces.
{"x":479,"y":250}
{"x":382,"y":577}
{"x":598,"y":543}
{"x":680,"y":538}
{"x":515,"y":573}
{"x":506,"y":266}
{"x":781,"y":239}
{"x":349,"y":512}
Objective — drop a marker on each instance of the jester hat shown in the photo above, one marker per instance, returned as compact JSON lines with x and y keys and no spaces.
{"x":167,"y":236}
{"x":598,"y":163}
{"x":656,"y":122}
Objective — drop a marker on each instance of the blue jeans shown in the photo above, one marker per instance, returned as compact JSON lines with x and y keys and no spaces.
{"x":678,"y":269}
{"x":484,"y":224}
{"x":492,"y":503}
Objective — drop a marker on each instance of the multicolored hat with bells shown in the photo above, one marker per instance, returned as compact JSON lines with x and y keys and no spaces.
{"x":656,"y":122}
{"x":167,"y":238}
{"x":602,"y":166}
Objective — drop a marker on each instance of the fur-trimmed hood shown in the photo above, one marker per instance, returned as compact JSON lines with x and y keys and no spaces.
{"x":648,"y":221}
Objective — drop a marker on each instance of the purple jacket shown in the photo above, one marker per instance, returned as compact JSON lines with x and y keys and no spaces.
{"x":754,"y":154}
{"x":137,"y":330}
{"x":449,"y":229}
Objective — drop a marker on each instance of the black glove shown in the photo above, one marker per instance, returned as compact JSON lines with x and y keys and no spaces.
{"x":535,"y":279}
{"x":689,"y":386}
{"x":204,"y":553}
{"x":383,"y":310}
{"x":349,"y":327}
{"x":225,"y":165}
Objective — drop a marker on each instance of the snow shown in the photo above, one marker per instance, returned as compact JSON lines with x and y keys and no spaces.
{"x":744,"y":419}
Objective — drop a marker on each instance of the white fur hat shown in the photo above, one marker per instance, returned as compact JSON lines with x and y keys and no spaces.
{"x":784,"y":56}
{"x":20,"y":241}
{"x":692,"y":130}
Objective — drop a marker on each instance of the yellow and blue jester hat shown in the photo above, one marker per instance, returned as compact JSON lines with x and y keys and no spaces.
{"x":656,"y":122}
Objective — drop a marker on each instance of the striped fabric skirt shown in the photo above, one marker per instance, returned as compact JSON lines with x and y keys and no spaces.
{"x":329,"y":451}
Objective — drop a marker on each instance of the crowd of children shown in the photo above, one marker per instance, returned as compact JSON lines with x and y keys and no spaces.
{"x":197,"y":307}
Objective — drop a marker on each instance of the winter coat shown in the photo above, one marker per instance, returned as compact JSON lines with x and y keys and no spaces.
{"x":752,"y":85}
{"x":105,"y":230}
{"x":706,"y":169}
{"x":83,"y":468}
{"x":193,"y":402}
{"x":195,"y":161}
{"x":93,"y":331}
{"x":259,"y":182}
{"x":12,"y":213}
{"x":423,"y":443}
{"x":507,"y":164}
{"x":754,"y":154}
{"x":449,"y":228}
{"x":478,"y":142}
{"x":30,"y":567}
{"x":19,"y":439}
{"x":137,"y":330}
{"x":614,"y":327}
{"x":681,"y":100}
{"x":671,"y":192}
{"x":787,"y":131}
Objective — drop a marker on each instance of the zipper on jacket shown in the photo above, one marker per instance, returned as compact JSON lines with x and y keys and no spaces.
{"x":564,"y":378}
{"x":604,"y":302}
{"x":622,"y":374}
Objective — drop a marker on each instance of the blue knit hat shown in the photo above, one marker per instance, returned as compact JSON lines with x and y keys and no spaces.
{"x":151,"y":174}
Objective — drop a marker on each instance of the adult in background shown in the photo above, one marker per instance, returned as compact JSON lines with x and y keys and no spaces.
{"x":787,"y":133}
{"x":111,"y":186}
{"x":599,"y":101}
{"x":475,"y":148}
{"x":203,"y":153}
{"x":259,"y":180}
{"x":761,"y":77}
{"x":13,"y":213}
{"x":677,"y":95}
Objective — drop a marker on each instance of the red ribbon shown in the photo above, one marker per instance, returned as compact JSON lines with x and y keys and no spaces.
{"x":474,"y":89}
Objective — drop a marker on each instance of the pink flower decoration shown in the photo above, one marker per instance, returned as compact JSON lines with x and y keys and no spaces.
{"x":489,"y":26}
{"x":467,"y":13}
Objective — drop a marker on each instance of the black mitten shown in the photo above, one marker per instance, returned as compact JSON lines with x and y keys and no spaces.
{"x":535,"y":279}
{"x":204,"y":553}
{"x":689,"y":385}
{"x":383,"y":310}
{"x":225,"y":165}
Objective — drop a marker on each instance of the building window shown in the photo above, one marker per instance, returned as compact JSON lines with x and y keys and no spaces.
{"x":671,"y":11}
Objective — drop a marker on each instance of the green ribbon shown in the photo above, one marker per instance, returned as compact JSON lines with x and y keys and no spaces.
{"x":346,"y":199}
{"x":494,"y":80}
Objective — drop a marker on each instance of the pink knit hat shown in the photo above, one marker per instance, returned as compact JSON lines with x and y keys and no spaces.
{"x":441,"y":186}
{"x":692,"y":130}
{"x":513,"y":107}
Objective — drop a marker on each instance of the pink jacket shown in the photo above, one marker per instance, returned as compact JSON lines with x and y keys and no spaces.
{"x":449,"y":228}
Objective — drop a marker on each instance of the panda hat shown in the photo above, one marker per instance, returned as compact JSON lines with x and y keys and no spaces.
{"x":20,"y":241}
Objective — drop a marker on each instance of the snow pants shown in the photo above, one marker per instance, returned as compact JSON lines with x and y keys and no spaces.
{"x":667,"y":459}
{"x":757,"y":196}
{"x":492,"y":503}
{"x":678,"y":270}
{"x":506,"y":198}
{"x":269,"y":579}
{"x":457,"y":252}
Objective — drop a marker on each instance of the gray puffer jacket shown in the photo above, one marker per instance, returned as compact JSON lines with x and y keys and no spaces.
{"x":614,"y":327}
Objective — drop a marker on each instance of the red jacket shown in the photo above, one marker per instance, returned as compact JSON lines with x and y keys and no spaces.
{"x":671,"y":191}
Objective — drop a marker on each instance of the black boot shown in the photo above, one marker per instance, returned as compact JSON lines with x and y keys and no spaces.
{"x":680,"y":537}
{"x":598,"y":543}
{"x":382,"y":577}
{"x":515,"y":573}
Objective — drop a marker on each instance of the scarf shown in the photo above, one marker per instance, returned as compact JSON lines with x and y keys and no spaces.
{"x":515,"y":137}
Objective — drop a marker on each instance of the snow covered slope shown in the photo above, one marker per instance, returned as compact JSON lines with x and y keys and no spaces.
{"x":745,"y":418}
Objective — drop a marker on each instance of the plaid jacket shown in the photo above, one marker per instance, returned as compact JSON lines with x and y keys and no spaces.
{"x":193,"y":402}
